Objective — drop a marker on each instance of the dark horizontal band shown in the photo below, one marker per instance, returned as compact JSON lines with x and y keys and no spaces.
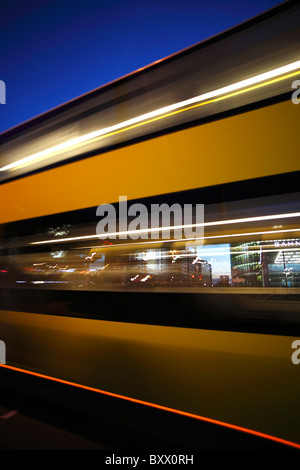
{"x":263,"y":313}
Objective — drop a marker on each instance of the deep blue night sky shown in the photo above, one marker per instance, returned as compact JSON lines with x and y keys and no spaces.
{"x":52,"y":51}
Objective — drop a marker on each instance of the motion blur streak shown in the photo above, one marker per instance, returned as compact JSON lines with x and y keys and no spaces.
{"x":165,"y":110}
{"x":264,"y":150}
{"x":206,"y":224}
{"x":163,"y":408}
{"x":201,"y":326}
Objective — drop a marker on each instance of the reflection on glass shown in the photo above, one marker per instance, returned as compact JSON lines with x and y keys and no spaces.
{"x":263,"y":264}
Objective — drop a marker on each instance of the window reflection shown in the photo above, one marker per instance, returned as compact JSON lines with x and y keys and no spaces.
{"x":263,"y":264}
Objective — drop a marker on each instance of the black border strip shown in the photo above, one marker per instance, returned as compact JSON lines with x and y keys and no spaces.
{"x":249,"y":313}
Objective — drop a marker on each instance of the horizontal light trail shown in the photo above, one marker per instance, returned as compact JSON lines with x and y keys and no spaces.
{"x":120,"y":245}
{"x":159,"y":407}
{"x":174,"y":227}
{"x":165,"y":111}
{"x":213,"y":252}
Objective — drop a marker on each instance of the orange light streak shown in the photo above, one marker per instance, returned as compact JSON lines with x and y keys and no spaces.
{"x":154,"y":405}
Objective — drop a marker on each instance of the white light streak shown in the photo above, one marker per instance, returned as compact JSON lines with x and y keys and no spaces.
{"x":152,"y":114}
{"x":174,"y":227}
